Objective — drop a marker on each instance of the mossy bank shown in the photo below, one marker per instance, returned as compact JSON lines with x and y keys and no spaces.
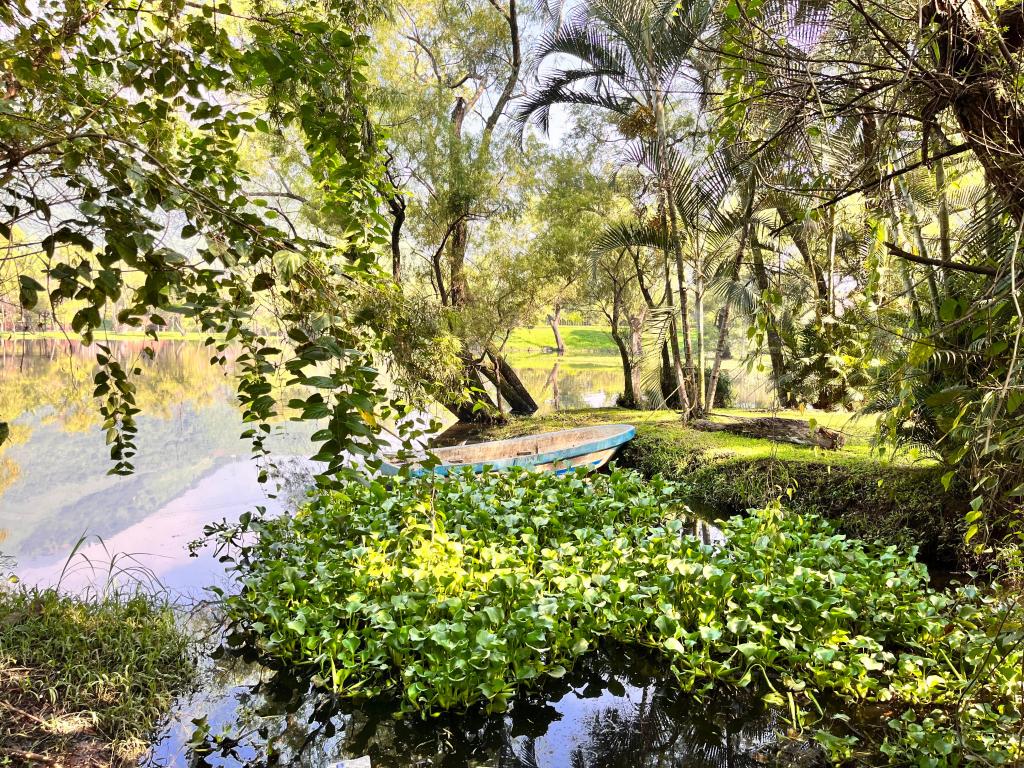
{"x":898,"y":500}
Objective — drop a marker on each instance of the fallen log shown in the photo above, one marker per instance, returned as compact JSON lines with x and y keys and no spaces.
{"x":780,"y":430}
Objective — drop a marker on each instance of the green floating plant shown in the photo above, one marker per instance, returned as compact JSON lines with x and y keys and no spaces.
{"x":455,"y":591}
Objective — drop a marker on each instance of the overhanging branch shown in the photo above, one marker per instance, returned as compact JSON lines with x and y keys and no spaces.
{"x":895,"y":250}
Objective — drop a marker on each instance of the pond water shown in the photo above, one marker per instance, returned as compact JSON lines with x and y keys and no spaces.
{"x":616,"y":708}
{"x":191,"y":466}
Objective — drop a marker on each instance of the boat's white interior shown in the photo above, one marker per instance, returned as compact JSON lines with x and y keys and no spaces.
{"x":529,"y":445}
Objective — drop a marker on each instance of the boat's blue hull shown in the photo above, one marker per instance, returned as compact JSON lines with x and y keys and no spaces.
{"x":556,"y":452}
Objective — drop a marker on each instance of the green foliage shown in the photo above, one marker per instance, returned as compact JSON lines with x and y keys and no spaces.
{"x":456,"y":590}
{"x":105,"y":669}
{"x":725,"y":395}
{"x":958,"y":390}
{"x":925,"y":230}
{"x":126,"y":130}
{"x":902,"y":505}
{"x":864,"y":494}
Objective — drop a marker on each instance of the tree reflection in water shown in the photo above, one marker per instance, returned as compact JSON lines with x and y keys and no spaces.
{"x":618,"y":708}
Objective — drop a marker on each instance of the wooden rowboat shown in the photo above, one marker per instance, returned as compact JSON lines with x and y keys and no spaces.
{"x":558,"y":452}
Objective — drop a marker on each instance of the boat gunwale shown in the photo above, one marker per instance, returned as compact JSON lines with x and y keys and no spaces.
{"x":623,"y":434}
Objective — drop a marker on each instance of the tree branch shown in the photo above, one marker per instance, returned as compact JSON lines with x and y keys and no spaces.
{"x":955,"y":150}
{"x":513,"y":75}
{"x":895,"y":250}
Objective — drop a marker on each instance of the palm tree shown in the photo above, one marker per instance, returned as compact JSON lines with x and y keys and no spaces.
{"x":628,"y":57}
{"x":700,"y":191}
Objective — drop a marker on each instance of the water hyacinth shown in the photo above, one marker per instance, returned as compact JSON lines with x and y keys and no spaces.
{"x":454,"y":591}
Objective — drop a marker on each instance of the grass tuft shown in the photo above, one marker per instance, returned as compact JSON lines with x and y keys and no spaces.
{"x":85,"y":681}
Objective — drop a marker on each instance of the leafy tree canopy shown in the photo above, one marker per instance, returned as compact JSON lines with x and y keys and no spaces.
{"x":123,"y":133}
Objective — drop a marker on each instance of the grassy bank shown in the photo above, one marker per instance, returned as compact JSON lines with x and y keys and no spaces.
{"x":868,"y":496}
{"x":84,"y":682}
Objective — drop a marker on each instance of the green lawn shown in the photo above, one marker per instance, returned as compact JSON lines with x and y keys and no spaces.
{"x":722,"y":446}
{"x":583,"y":338}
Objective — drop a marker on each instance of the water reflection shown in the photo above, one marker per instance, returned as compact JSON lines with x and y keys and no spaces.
{"x":191,"y":466}
{"x":597,"y":382}
{"x":559,"y":385}
{"x":615,"y":709}
{"x":618,"y":708}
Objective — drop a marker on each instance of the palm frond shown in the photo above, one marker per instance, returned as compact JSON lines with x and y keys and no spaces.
{"x":537,"y":107}
{"x":633,"y":234}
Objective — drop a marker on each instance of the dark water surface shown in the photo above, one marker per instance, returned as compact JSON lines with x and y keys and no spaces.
{"x":618,"y":707}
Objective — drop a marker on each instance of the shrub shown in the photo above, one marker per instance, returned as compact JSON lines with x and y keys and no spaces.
{"x":455,"y":591}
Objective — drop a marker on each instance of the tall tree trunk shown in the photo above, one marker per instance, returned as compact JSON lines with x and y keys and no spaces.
{"x":470,"y":403}
{"x":772,"y":332}
{"x":910,"y":292}
{"x":922,"y":247}
{"x":821,"y":290}
{"x":629,"y":396}
{"x":688,"y":366}
{"x":700,"y":384}
{"x":680,"y":393}
{"x":458,"y":291}
{"x":831,"y":221}
{"x":636,"y":350}
{"x":749,"y":189}
{"x":665,"y":370}
{"x":509,"y":386}
{"x":554,"y":320}
{"x":679,"y":324}
{"x":397,"y":205}
{"x":722,"y":324}
{"x":904,"y":268}
{"x":942,"y":215}
{"x":629,"y":391}
{"x":673,"y":341}
{"x":667,"y":379}
{"x":979,"y":61}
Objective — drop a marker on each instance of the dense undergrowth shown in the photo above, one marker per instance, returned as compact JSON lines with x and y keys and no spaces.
{"x":84,"y":682}
{"x":866,"y":495}
{"x":453,"y":592}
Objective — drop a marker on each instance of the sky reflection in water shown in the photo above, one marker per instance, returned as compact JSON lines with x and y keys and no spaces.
{"x":616,"y":709}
